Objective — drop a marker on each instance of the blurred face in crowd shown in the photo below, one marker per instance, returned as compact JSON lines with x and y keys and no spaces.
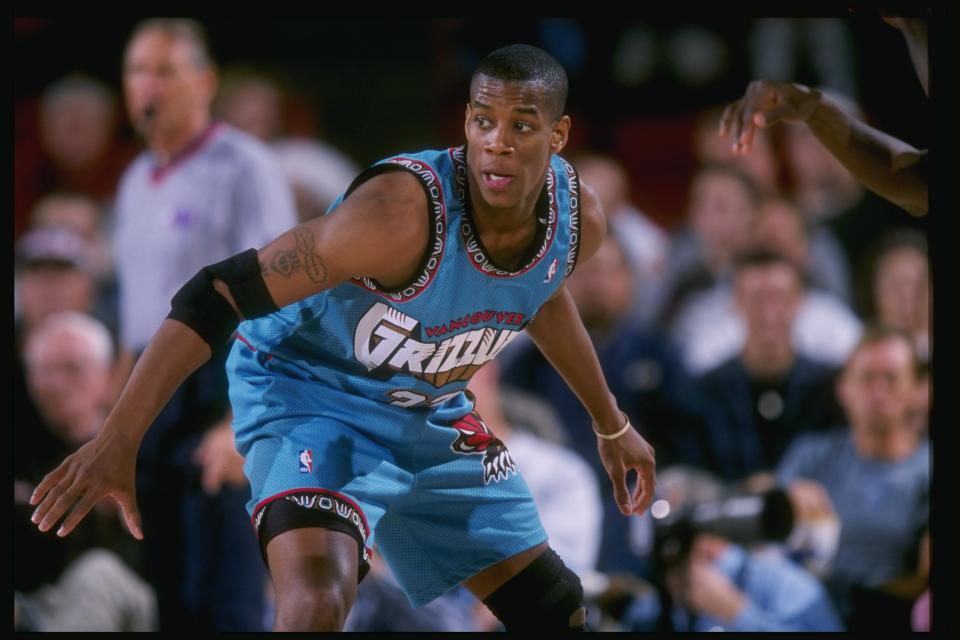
{"x":877,"y":388}
{"x":602,"y":287}
{"x":76,"y":128}
{"x":608,"y":180}
{"x":779,"y":226}
{"x":721,"y":212}
{"x":902,"y":290}
{"x":252,"y":105}
{"x":768,"y":297}
{"x":166,"y":83}
{"x":48,"y":287}
{"x":68,"y":380}
{"x":760,"y":164}
{"x":511,"y":134}
{"x":818,"y":177}
{"x":76,"y":212}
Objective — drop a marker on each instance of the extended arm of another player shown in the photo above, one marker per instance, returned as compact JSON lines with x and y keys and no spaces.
{"x":887,"y":166}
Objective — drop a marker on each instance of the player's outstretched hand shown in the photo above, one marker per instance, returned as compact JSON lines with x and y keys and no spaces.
{"x":766,"y":102}
{"x":630,"y":451}
{"x":103,"y":467}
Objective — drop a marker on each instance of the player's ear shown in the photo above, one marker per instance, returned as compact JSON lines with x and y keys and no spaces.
{"x":210,"y":81}
{"x":560,"y":134}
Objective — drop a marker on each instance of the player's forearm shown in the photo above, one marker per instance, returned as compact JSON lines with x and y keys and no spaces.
{"x":174,"y":352}
{"x":121,"y":373}
{"x":559,"y":334}
{"x":885,"y":165}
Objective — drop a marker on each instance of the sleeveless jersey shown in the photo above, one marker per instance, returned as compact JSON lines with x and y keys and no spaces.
{"x":418,"y":346}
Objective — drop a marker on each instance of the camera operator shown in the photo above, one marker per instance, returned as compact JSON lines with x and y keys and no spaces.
{"x":719,"y":570}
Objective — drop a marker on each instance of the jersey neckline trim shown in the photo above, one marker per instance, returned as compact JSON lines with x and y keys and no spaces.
{"x":477,"y":253}
{"x":437,"y":212}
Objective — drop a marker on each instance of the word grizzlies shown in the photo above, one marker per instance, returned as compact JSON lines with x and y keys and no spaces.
{"x":388,"y":341}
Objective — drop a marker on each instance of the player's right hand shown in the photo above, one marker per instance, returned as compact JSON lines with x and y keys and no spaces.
{"x":103,"y":467}
{"x":764,"y":103}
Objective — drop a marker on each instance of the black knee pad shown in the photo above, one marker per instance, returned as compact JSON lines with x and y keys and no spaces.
{"x":542,"y":596}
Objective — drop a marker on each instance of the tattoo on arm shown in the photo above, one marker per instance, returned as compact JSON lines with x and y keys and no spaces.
{"x":301,"y":257}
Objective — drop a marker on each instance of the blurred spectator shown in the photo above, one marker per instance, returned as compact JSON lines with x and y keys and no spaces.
{"x":642,"y":370}
{"x":876,"y":477}
{"x":844,"y":218}
{"x":55,"y":273}
{"x":722,"y":206}
{"x":76,"y":211}
{"x":821,"y":185}
{"x":68,"y":356}
{"x":756,"y":403}
{"x":201,"y":192}
{"x":77,"y":148}
{"x":762,"y":164}
{"x":85,"y":582}
{"x":900,"y":286}
{"x":711,"y":329}
{"x":900,"y":298}
{"x":644,"y":242}
{"x":253,"y":102}
{"x":82,"y":215}
{"x":780,"y":226}
{"x":317,"y":172}
{"x":724,"y":587}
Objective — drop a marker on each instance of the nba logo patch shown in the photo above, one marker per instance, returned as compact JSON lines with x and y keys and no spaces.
{"x":551,"y":271}
{"x":306,"y":461}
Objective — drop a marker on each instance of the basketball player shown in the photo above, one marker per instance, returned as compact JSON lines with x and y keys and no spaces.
{"x":359,"y":333}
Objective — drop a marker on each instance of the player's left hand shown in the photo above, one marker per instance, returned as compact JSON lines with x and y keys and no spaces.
{"x":630,"y":452}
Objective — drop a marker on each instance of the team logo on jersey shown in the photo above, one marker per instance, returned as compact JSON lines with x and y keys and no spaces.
{"x":306,"y":461}
{"x":387,"y":341}
{"x":475,"y":437}
{"x":552,"y":271}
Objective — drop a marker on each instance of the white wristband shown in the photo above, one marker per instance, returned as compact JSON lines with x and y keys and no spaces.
{"x":614,"y":436}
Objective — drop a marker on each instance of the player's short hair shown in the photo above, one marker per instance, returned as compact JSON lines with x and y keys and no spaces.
{"x":183,"y":30}
{"x":526,"y":63}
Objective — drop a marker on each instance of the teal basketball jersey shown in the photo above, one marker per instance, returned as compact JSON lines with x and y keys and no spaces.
{"x":418,"y":346}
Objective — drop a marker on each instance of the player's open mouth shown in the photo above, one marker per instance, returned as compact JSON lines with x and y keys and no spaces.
{"x":497,"y":182}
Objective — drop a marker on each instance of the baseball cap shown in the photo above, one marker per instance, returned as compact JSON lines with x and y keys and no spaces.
{"x":54,"y":245}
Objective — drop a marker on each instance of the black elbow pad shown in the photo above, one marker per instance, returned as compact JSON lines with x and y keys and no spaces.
{"x":199,"y":306}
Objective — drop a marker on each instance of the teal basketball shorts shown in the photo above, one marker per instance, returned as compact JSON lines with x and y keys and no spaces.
{"x":433,"y":490}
